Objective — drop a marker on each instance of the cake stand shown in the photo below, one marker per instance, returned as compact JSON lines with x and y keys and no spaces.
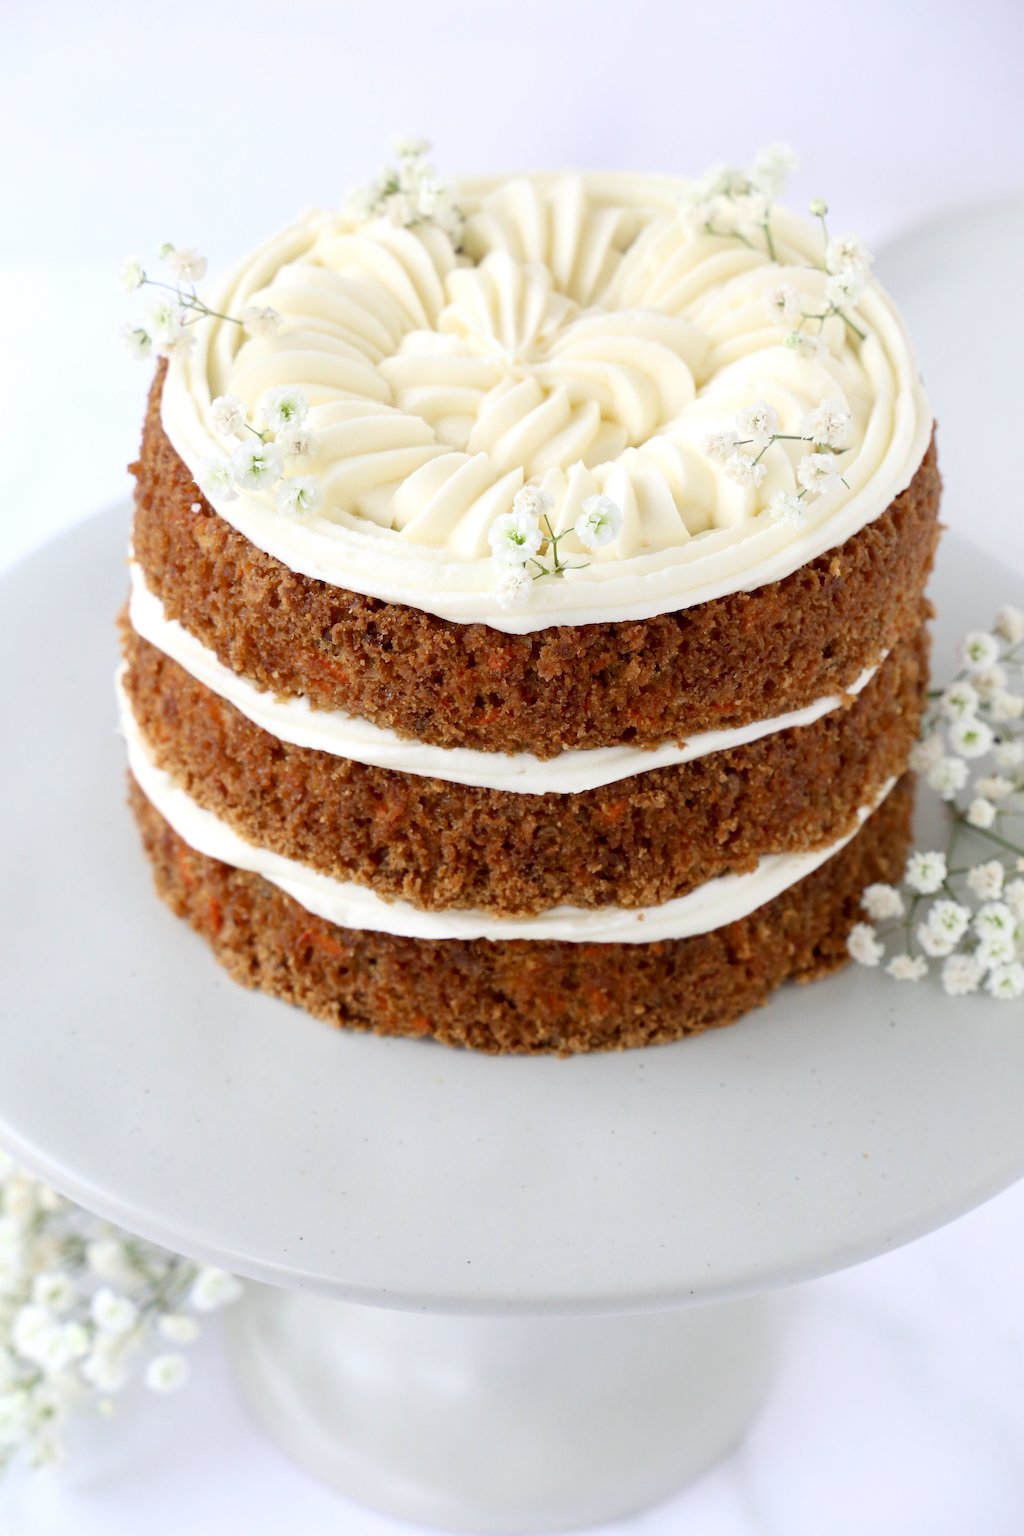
{"x":496,"y":1294}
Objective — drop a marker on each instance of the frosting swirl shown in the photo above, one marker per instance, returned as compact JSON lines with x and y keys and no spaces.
{"x":585,"y":340}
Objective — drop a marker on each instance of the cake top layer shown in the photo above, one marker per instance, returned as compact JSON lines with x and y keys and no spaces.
{"x":697,"y":398}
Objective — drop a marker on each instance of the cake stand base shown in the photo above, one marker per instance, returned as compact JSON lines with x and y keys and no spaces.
{"x":502,"y":1423}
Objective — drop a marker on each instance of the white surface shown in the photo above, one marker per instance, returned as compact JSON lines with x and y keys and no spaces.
{"x":900,"y":1409}
{"x":805,"y":1137}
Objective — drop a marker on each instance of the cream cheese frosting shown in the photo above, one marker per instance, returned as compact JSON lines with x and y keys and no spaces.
{"x":584,"y":340}
{"x":327,"y":730}
{"x":349,"y":905}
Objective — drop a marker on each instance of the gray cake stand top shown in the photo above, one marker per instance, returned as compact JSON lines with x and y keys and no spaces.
{"x":843,"y":1119}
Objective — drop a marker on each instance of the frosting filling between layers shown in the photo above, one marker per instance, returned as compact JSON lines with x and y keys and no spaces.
{"x":587,"y":343}
{"x":348,"y":905}
{"x":571,"y":772}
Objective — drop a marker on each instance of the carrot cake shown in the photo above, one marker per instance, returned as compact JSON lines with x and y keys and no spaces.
{"x":527,"y":627}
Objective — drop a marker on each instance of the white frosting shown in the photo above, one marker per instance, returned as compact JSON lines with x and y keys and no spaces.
{"x":349,"y":905}
{"x":586,"y":340}
{"x":327,"y":730}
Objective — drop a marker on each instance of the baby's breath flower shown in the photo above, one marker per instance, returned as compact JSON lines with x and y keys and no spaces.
{"x":979,"y":651}
{"x":1009,"y":625}
{"x":994,"y":787}
{"x":297,"y":442}
{"x":229,"y":416}
{"x":772,"y":165}
{"x":185,"y":264}
{"x":981,"y":813}
{"x":257,"y":466}
{"x":994,"y":919}
{"x":783,"y":507}
{"x":817,"y":473}
{"x":925,"y":872}
{"x":970,"y":737}
{"x":284,"y":408}
{"x":998,"y":949}
{"x":845,"y":252}
{"x":260,"y":320}
{"x":882,"y":901}
{"x":298,"y":497}
{"x":214,"y":1288}
{"x":168,"y":325}
{"x":1013,"y":895}
{"x":216,"y":480}
{"x":934,"y":942}
{"x":514,"y":537}
{"x":112,"y":1313}
{"x":907,"y":967}
{"x":138,"y":341}
{"x":1004,"y":706}
{"x":742,"y":468}
{"x":807,"y":343}
{"x":410,"y":146}
{"x":514,"y":588}
{"x":531,"y":501}
{"x":783,"y":303}
{"x":1009,"y":754}
{"x":961,"y":974}
{"x":845,"y":287}
{"x":989,"y":682}
{"x":599,"y":523}
{"x":718,"y":445}
{"x":20,"y":1198}
{"x":864,"y":946}
{"x":132,"y":274}
{"x":959,"y":701}
{"x":55,"y":1290}
{"x":166,"y":1373}
{"x":1006,"y":981}
{"x":926,"y":754}
{"x":178,"y":1327}
{"x":948,"y":918}
{"x":986,"y":880}
{"x":949,"y":775}
{"x":758,"y":422}
{"x":107,"y":1259}
{"x":829,"y":423}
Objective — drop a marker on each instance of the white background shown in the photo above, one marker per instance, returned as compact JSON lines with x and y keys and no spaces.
{"x":902,"y":1406}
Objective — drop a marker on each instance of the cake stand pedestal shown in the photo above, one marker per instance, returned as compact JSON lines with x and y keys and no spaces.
{"x":497,"y":1293}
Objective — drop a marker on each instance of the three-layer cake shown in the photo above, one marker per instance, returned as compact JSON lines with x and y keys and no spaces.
{"x":549,"y":683}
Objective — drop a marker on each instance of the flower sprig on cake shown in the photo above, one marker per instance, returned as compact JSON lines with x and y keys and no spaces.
{"x":741,"y":448}
{"x":968,"y":916}
{"x":526,"y":546}
{"x":736,"y":203}
{"x":80,"y":1303}
{"x":282,"y":438}
{"x":168,"y":331}
{"x":409,"y":193}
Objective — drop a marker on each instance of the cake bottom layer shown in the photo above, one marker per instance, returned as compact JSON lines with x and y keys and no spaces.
{"x":525,"y":996}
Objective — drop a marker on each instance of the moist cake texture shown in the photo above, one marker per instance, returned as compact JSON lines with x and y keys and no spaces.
{"x":614,"y":797}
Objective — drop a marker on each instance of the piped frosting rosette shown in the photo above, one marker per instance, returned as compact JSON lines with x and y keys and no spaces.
{"x":585,"y":338}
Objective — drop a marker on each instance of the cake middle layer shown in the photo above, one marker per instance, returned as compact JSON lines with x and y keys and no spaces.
{"x":639,"y":842}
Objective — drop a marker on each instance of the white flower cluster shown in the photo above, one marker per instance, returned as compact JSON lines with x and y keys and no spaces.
{"x":847,"y":263}
{"x":258,"y":463}
{"x":974,"y":925}
{"x":408,"y":193}
{"x":525,"y":537}
{"x":736,"y":201}
{"x":826,"y":429}
{"x":168,"y":331}
{"x":78,"y":1300}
